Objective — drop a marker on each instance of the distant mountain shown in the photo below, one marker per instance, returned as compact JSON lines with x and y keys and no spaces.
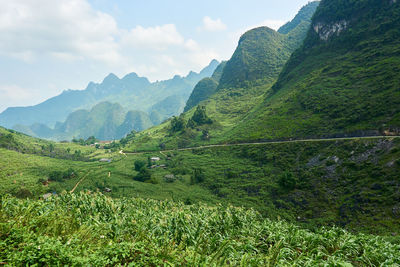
{"x":134,"y":120}
{"x":170,"y":106}
{"x":106,"y":121}
{"x":131,"y":92}
{"x":303,"y":16}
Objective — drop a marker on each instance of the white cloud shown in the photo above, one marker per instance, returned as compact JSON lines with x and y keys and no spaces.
{"x":212,"y":25}
{"x":72,"y":32}
{"x":12,"y":94}
{"x":158,"y":37}
{"x":67,"y":28}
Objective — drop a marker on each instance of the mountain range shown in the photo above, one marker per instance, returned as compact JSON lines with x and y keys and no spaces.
{"x":159,"y":100}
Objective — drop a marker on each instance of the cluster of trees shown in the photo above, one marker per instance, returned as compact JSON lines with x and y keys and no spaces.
{"x":127,"y":138}
{"x":7,"y":141}
{"x":61,"y":176}
{"x":89,"y":141}
{"x":197,"y":177}
{"x":199,"y":118}
{"x":144,"y":174}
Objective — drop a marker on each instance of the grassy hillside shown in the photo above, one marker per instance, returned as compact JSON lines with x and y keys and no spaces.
{"x":343,"y":80}
{"x":350,"y":183}
{"x":24,"y":144}
{"x":91,"y":229}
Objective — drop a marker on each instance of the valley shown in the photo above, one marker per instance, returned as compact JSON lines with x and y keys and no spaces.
{"x":287,"y":154}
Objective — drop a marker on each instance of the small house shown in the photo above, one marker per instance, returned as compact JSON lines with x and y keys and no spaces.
{"x":105,"y":160}
{"x":154,"y":159}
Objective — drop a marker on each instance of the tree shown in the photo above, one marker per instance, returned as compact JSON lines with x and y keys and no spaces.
{"x":197,"y":177}
{"x":177,"y":124}
{"x":143,"y":175}
{"x":51,"y":147}
{"x":139,"y":165}
{"x":287,"y":181}
{"x":91,"y":140}
{"x":200,"y":117}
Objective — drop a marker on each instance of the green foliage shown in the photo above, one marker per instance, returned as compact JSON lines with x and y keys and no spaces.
{"x":94,"y":230}
{"x":60,"y":176}
{"x":177,"y":124}
{"x":287,"y":181}
{"x":7,"y":141}
{"x":139,"y":164}
{"x":91,"y":140}
{"x":144,"y":175}
{"x":200,"y":117}
{"x":128,"y":138}
{"x":197,"y":177}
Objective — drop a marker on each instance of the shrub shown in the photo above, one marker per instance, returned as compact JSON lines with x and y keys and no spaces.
{"x":23,"y":193}
{"x":139,"y":165}
{"x":177,"y":124}
{"x":200,"y":117}
{"x":144,"y":175}
{"x":197,"y":177}
{"x":287,"y":181}
{"x":60,"y":176}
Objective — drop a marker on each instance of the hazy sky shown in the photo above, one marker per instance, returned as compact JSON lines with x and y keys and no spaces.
{"x":47,"y":46}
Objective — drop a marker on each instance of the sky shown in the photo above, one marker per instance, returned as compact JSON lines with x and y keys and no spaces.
{"x":48,"y":46}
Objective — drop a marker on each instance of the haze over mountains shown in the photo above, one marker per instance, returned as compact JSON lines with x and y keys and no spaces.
{"x":154,"y":102}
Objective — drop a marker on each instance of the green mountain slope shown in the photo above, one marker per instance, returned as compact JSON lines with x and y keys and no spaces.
{"x":205,"y":88}
{"x":344,"y":79}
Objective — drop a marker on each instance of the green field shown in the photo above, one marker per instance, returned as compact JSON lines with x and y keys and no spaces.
{"x":94,"y":230}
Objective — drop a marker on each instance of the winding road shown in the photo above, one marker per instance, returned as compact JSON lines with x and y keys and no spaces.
{"x":262,"y":143}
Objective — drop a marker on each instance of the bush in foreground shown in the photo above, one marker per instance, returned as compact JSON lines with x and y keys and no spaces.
{"x":91,"y":229}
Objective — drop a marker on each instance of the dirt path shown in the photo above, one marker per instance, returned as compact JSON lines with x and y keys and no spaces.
{"x":263,"y":143}
{"x":73,"y":189}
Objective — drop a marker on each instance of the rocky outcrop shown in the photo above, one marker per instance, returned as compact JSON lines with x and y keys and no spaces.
{"x":326,"y":31}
